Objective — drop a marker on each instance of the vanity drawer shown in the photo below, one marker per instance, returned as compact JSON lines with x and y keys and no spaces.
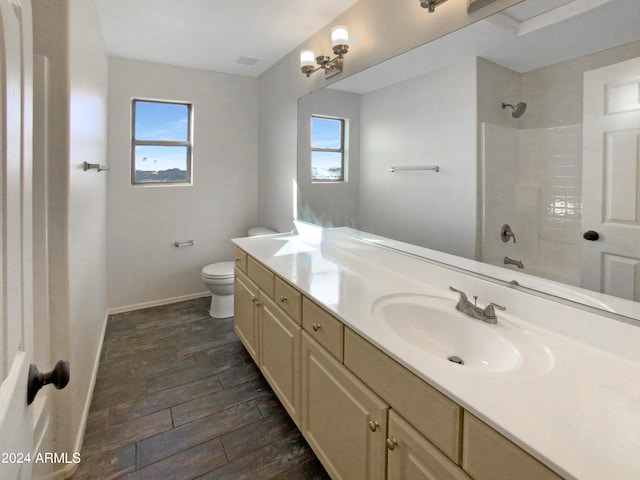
{"x":261,"y":275}
{"x":323,"y":327}
{"x":429,"y":411}
{"x":240,"y":259}
{"x":288,"y":299}
{"x":487,"y":455}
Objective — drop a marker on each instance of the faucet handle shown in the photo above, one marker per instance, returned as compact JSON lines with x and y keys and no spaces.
{"x":463,"y":296}
{"x":463,"y":301}
{"x":507,"y":234}
{"x":489,"y":309}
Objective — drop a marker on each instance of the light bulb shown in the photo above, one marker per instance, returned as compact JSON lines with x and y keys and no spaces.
{"x":339,"y":35}
{"x":307,"y":58}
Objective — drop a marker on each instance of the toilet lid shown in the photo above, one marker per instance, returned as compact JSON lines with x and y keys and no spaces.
{"x":218,"y":270}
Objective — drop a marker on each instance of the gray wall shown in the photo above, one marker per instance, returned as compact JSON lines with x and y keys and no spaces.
{"x":144,"y":221}
{"x":427,"y":120}
{"x":67,"y":32}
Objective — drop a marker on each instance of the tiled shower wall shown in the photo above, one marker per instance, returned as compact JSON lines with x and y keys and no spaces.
{"x":533,"y":182}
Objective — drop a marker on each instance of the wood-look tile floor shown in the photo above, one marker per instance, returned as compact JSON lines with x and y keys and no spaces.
{"x":178,"y":397}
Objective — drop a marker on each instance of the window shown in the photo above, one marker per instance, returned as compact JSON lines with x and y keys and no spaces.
{"x":327,"y":149}
{"x":161,"y":142}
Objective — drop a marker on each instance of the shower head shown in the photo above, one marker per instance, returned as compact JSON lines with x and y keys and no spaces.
{"x":518,"y":110}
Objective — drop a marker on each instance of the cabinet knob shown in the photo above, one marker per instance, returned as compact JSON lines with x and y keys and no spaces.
{"x":316,"y":327}
{"x":283,"y":298}
{"x":373,"y":426}
{"x":237,"y":259}
{"x":259,"y":304}
{"x":254,"y":299}
{"x":392,"y":443}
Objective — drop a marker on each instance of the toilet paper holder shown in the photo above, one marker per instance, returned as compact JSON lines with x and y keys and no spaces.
{"x":188,"y":243}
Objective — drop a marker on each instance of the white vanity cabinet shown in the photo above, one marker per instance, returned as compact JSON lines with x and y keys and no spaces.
{"x":246,"y":320}
{"x":270,"y":329}
{"x":365,"y":415}
{"x":342,"y":419}
{"x":280,"y":355}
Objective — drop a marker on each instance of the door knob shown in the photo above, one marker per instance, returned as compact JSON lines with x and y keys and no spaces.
{"x":591,"y":235}
{"x":59,"y":377}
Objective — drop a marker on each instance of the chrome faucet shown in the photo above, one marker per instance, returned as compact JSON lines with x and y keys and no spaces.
{"x":487,"y":315}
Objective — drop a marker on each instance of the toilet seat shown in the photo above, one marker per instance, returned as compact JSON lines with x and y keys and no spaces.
{"x":218,"y":271}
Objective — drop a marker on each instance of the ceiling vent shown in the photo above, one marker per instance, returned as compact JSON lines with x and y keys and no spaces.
{"x":248,"y":61}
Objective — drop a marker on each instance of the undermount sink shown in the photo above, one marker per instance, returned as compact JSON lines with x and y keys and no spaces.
{"x":433,"y":325}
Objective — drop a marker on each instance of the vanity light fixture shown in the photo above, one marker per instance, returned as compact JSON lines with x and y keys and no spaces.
{"x":431,"y":4}
{"x":331,"y":66}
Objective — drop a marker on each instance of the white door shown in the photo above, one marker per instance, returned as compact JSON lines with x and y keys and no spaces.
{"x":611,"y":180}
{"x":16,"y":280}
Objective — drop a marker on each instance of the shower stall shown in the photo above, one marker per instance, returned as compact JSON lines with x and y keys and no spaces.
{"x":532,"y":180}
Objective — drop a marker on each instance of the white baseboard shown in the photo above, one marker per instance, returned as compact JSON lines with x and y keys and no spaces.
{"x":157,"y":303}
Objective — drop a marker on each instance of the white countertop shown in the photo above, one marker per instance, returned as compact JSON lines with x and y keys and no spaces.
{"x":581,"y":416}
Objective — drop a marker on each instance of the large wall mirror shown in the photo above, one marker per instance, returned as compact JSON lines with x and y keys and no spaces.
{"x":532,"y":117}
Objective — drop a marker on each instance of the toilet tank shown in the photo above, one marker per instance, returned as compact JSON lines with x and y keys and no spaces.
{"x":257,"y":231}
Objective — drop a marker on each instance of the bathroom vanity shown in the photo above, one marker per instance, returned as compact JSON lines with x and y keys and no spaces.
{"x":363,"y":346}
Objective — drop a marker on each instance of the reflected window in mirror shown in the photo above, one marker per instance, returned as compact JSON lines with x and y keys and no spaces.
{"x":327,"y":149}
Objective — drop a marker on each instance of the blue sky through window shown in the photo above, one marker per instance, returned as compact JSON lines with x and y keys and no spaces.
{"x":162,"y":122}
{"x":326,"y":133}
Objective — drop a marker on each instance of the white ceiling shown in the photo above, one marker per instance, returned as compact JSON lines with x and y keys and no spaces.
{"x":225,"y":35}
{"x":213,"y":34}
{"x":527,"y":36}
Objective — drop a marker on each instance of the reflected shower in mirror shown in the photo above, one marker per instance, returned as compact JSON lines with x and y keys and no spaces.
{"x":499,"y":107}
{"x":517,"y":110}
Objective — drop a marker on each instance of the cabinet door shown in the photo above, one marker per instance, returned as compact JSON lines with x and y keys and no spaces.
{"x":413,"y":457}
{"x":487,"y":455}
{"x":343,"y":421}
{"x":433,"y":414}
{"x":246,"y":321}
{"x":280,"y":355}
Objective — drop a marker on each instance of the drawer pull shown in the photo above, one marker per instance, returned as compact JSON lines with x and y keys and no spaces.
{"x":392,"y":443}
{"x":373,"y":426}
{"x":237,"y":259}
{"x":283,"y":298}
{"x":316,"y":327}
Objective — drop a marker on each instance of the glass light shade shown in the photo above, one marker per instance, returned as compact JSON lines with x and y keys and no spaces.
{"x":307,"y":58}
{"x":339,"y":35}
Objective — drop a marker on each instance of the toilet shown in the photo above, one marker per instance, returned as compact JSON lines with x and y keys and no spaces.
{"x":218,"y":277}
